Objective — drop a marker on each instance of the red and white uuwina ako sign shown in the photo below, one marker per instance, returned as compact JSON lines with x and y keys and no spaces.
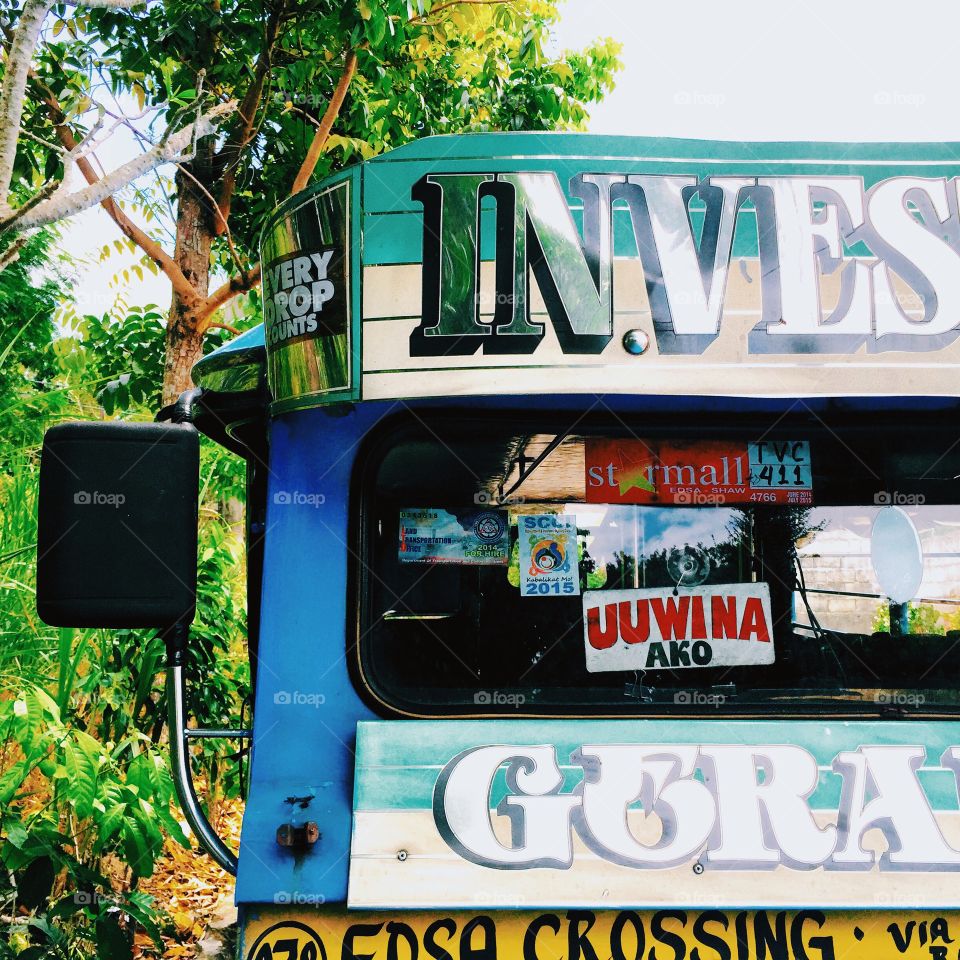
{"x":720,"y":625}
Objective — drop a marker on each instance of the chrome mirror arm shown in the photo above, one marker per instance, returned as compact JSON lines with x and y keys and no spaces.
{"x":209,"y":839}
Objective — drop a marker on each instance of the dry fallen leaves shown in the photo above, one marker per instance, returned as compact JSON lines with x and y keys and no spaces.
{"x":193,"y":890}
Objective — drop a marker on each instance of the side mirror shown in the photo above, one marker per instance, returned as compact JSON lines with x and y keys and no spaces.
{"x":117,"y":537}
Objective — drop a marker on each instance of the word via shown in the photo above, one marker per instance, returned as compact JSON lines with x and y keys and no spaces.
{"x":935,"y":931}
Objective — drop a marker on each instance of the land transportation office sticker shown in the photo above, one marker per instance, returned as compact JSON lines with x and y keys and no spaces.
{"x":466,"y":537}
{"x":719,"y":625}
{"x":549,"y":563}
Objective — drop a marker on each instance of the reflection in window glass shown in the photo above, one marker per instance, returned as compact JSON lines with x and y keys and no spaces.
{"x":449,"y":636}
{"x":842,"y":588}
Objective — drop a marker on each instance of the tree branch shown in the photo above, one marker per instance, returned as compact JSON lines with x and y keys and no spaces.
{"x":25,"y":38}
{"x":183,"y":287}
{"x":63,"y":204}
{"x":456,"y":3}
{"x":224,"y":326}
{"x":12,"y":253}
{"x":223,"y":294}
{"x":326,"y":124}
{"x":45,"y":192}
{"x":250,"y":278}
{"x":185,"y":170}
{"x":122,"y":4}
{"x":23,"y":43}
{"x":229,"y":154}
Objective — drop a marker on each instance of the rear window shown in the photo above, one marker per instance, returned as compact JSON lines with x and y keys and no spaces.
{"x":614,"y":567}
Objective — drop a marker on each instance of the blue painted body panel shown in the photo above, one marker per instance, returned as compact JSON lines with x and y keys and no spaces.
{"x":307,"y":709}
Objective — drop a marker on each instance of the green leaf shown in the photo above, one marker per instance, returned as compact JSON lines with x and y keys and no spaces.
{"x":376,"y":27}
{"x":143,"y":774}
{"x":140,"y":907}
{"x":137,"y":852}
{"x":82,"y":772}
{"x":15,"y":833}
{"x":110,"y":823}
{"x":112,"y":941}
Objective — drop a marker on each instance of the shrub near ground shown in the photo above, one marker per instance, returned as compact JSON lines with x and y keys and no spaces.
{"x":86,"y":801}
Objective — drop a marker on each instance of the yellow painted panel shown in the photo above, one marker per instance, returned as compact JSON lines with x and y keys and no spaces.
{"x":319,"y":933}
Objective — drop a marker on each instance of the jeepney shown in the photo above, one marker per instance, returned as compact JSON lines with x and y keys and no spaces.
{"x":604,"y":554}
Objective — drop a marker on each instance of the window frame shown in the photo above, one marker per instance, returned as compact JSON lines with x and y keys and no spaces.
{"x":696,"y":424}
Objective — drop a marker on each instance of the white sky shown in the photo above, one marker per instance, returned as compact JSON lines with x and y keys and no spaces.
{"x":753,"y":70}
{"x":743,"y":70}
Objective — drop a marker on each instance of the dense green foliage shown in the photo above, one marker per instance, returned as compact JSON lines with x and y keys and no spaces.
{"x":410,"y":68}
{"x":86,"y":799}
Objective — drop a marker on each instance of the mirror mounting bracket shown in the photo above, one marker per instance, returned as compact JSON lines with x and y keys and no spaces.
{"x":176,"y":641}
{"x":207,"y":836}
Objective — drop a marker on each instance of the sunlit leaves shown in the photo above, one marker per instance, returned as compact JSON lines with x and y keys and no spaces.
{"x":423,"y":68}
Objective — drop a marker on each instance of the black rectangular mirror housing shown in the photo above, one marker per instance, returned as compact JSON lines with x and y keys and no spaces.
{"x":117,"y":537}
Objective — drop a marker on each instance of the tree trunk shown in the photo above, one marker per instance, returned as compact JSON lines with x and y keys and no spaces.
{"x":184,"y":345}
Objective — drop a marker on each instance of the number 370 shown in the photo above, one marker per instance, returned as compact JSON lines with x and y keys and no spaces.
{"x":288,"y":949}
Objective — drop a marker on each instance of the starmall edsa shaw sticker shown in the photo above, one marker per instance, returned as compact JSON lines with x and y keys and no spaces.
{"x":468,"y":537}
{"x":698,"y":473}
{"x":721,"y":625}
{"x":549,"y":564}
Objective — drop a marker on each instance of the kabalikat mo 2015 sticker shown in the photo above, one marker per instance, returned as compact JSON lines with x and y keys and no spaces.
{"x":807,"y":227}
{"x":722,"y":806}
